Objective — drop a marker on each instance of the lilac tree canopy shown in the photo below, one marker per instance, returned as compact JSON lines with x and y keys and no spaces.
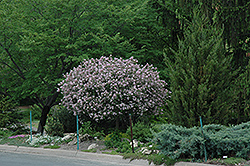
{"x":109,"y":87}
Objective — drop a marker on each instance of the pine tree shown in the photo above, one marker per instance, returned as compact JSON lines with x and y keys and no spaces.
{"x":200,"y":76}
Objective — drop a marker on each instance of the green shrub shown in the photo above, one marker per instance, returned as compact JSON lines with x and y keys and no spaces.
{"x":180,"y":142}
{"x":87,"y":128}
{"x":141,"y":132}
{"x":10,"y":117}
{"x":54,"y":127}
{"x":124,"y":147}
{"x":232,"y":141}
{"x":118,"y":140}
{"x":66,"y":118}
{"x":36,"y":112}
{"x":8,"y":113}
{"x":213,"y":128}
{"x":112,"y":140}
{"x":5,"y":133}
{"x":177,"y":141}
{"x":99,"y":134}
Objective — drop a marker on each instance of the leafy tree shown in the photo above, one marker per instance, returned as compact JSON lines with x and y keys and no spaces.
{"x":35,"y":50}
{"x":201,"y":78}
{"x":125,"y":29}
{"x":8,"y":113}
{"x":113,"y":88}
{"x":41,"y":40}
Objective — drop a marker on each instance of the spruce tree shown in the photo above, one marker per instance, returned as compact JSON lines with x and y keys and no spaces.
{"x":200,"y":76}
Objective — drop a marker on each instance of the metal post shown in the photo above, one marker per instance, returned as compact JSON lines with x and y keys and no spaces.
{"x":30,"y":126}
{"x":131,"y":133}
{"x":204,"y":139}
{"x":77,"y":132}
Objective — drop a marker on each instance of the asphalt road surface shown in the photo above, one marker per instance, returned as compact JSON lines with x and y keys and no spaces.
{"x":18,"y":159}
{"x":28,"y":156}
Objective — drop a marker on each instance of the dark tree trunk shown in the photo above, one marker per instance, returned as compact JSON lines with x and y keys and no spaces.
{"x":117,"y":123}
{"x":50,"y":101}
{"x":43,"y":119}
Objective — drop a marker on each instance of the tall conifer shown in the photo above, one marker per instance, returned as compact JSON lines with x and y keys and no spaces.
{"x":200,"y":76}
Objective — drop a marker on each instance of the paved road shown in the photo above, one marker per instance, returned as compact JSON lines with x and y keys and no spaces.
{"x":27,"y":156}
{"x":18,"y":159}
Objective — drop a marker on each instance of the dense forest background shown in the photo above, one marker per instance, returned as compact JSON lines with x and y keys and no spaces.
{"x":200,"y":47}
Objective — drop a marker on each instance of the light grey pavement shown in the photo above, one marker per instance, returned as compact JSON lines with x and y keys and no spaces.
{"x":106,"y":159}
{"x":28,"y":159}
{"x":192,"y":164}
{"x":77,"y":155}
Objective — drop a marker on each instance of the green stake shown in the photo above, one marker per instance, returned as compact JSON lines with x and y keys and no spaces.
{"x":77,"y":132}
{"x":204,"y":139}
{"x":30,"y":126}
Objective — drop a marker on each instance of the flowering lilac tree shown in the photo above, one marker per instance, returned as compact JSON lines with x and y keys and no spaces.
{"x":108,"y":88}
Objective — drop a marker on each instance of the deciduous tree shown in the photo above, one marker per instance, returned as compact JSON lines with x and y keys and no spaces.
{"x":41,"y":40}
{"x":113,"y":88}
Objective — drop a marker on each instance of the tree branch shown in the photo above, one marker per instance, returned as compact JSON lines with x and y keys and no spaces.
{"x":12,"y":69}
{"x":38,"y":11}
{"x":52,"y":99}
{"x":20,"y":73}
{"x":39,"y":101}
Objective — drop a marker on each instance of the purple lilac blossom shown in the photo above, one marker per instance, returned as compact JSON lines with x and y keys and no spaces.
{"x":106,"y":87}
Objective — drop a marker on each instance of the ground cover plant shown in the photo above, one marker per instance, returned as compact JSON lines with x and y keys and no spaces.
{"x":42,"y":140}
{"x":173,"y":144}
{"x":11,"y":138}
{"x":181,"y":142}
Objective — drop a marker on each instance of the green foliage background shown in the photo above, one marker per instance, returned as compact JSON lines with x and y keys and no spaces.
{"x":8,"y":114}
{"x":41,"y":40}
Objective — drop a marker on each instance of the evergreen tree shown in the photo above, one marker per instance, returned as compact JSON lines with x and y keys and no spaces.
{"x":200,"y":76}
{"x":241,"y":111}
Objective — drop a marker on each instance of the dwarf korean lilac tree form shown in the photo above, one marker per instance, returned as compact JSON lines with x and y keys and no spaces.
{"x":108,"y":88}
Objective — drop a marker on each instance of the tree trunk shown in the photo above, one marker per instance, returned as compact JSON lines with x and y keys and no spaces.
{"x":117,"y":123}
{"x":43,"y":119}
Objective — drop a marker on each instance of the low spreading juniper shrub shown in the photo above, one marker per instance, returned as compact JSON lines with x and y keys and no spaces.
{"x":233,"y":142}
{"x":180,"y":142}
{"x":213,"y":128}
